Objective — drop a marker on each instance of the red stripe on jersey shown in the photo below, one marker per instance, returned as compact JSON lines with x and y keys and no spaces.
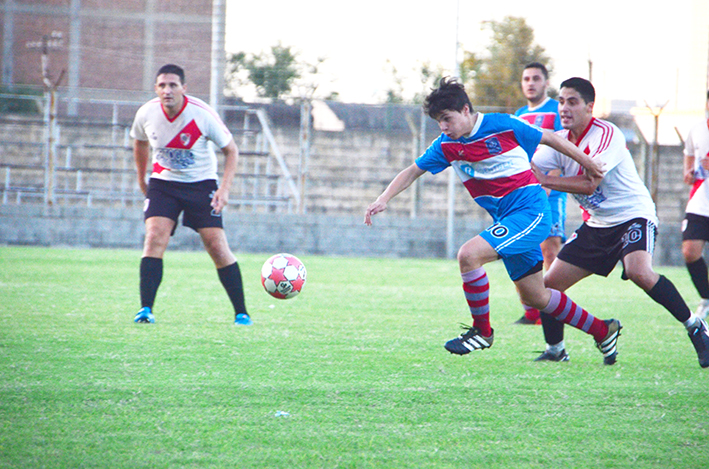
{"x":478,"y":150}
{"x":501,"y":186}
{"x":187,"y":137}
{"x":606,"y":135}
{"x":547,"y":119}
{"x":695,"y":187}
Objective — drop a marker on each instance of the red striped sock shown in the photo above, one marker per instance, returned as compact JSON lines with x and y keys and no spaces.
{"x":564,"y":309}
{"x":477,"y":294}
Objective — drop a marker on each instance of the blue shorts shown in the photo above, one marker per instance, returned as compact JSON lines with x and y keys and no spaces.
{"x":557,"y":201}
{"x":517,"y":237}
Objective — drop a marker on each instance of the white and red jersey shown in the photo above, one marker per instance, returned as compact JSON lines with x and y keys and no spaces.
{"x":697,"y":145}
{"x":180,"y":146}
{"x":621,"y":195}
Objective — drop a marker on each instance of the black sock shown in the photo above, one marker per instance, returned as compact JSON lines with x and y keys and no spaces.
{"x":553,"y":329}
{"x":665,"y":293}
{"x":700,"y":277}
{"x":230,"y":276}
{"x":150,"y":278}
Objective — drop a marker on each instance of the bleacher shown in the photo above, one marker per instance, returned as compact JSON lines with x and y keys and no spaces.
{"x":93,"y":165}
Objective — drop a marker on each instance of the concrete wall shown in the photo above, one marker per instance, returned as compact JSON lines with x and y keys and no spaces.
{"x":37,"y":225}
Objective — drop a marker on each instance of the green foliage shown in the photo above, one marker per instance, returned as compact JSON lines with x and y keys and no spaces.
{"x":19,"y":105}
{"x":351,"y":373}
{"x":495,"y":78}
{"x":272,"y":73}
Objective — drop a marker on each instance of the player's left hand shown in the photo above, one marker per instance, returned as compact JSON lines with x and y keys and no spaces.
{"x":594,"y":170}
{"x":220,"y":199}
{"x":373,"y":209}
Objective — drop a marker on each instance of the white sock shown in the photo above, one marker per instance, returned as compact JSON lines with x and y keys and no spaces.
{"x":692,"y":322}
{"x":556,"y":349}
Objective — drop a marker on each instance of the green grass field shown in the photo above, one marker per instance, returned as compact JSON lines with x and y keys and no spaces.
{"x":350,"y":374}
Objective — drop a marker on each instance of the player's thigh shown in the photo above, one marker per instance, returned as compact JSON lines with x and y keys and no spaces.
{"x":157,"y":235}
{"x":563,"y":275}
{"x":638,"y":269}
{"x":550,"y":248}
{"x":216,"y":244}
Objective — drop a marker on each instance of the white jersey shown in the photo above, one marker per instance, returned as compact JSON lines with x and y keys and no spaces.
{"x":180,"y":146}
{"x":697,"y":145}
{"x":621,"y":195}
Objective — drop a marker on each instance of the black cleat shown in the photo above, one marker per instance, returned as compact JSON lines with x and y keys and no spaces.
{"x":468,"y":341}
{"x":609,"y":345}
{"x":547,"y":356}
{"x":700,"y":339}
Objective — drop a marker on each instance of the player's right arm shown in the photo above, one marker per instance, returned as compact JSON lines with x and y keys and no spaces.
{"x":402,"y":180}
{"x":689,"y":169}
{"x":689,"y":161}
{"x":141,"y":154}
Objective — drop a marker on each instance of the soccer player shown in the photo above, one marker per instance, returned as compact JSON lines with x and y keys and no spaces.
{"x":178,"y":128}
{"x":543,"y":112}
{"x":695,"y":227}
{"x":622,"y":224}
{"x":491,"y":154}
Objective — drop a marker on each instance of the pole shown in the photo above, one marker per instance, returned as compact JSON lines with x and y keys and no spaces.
{"x":450,"y":222}
{"x":305,"y":111}
{"x":655,"y":158}
{"x":216,"y":82}
{"x":51,"y":119}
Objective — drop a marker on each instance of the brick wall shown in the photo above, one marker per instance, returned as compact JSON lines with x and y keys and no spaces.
{"x":113,"y":51}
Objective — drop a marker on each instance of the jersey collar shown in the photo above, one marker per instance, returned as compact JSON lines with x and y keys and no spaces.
{"x":583,"y":134}
{"x":184,"y":105}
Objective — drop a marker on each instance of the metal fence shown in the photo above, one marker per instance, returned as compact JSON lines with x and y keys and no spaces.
{"x":59,"y":159}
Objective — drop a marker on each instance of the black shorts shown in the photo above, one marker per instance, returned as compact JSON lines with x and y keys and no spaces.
{"x":598,"y":250}
{"x":695,"y":227}
{"x":169,"y":199}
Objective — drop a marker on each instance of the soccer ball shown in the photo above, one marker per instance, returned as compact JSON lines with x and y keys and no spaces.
{"x":283,"y":276}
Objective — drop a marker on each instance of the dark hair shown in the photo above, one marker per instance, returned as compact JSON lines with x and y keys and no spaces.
{"x":174,"y":69}
{"x":583,"y":86}
{"x":540,"y":66}
{"x":450,"y":95}
{"x":707,"y":94}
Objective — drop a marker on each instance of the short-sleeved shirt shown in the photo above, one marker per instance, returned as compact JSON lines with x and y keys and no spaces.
{"x":621,"y":195}
{"x":697,"y":145}
{"x":545,"y":116}
{"x":493,"y":162}
{"x":180,"y":146}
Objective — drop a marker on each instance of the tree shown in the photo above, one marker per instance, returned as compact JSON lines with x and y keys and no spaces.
{"x":494,"y":80}
{"x":273,"y":74}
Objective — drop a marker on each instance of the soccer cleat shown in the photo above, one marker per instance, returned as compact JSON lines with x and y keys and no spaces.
{"x":702,"y":309}
{"x":609,"y":345}
{"x":243,"y":319}
{"x":700,"y":339}
{"x":548,"y":356}
{"x":468,"y":341}
{"x":524,"y":320}
{"x":144,"y":316}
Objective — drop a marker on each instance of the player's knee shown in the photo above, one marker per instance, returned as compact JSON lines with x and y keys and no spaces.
{"x":644,"y":278}
{"x":691,"y":253}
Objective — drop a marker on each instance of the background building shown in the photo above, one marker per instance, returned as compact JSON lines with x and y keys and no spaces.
{"x":114,"y":47}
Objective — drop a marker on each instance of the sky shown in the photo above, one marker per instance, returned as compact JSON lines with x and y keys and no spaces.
{"x":639,"y":52}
